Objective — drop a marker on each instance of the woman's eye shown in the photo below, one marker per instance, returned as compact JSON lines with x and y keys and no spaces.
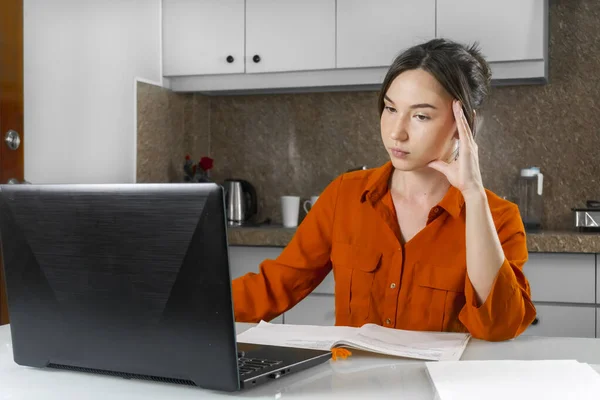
{"x":390,"y":109}
{"x":422,"y":117}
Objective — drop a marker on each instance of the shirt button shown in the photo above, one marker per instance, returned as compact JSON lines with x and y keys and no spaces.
{"x":393,"y":286}
{"x":388,"y":321}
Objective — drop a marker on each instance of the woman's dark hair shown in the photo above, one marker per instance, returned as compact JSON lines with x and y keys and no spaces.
{"x":461,"y":70}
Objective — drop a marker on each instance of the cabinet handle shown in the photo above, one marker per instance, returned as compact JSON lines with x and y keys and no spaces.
{"x":230,"y":59}
{"x":256,"y":58}
{"x":535,"y":321}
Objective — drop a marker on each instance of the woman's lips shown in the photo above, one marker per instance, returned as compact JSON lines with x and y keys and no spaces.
{"x":399,"y":153}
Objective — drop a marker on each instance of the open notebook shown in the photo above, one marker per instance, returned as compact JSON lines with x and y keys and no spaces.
{"x":432,"y":346}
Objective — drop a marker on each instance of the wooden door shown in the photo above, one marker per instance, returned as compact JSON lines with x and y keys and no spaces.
{"x":11,"y":107}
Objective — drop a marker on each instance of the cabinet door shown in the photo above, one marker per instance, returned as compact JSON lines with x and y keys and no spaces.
{"x":597,"y":279}
{"x":244,"y":259}
{"x":373,"y":33}
{"x":290,"y":35}
{"x":313,"y":310}
{"x":598,"y":322}
{"x":200,"y":35}
{"x":563,"y":321}
{"x":508,"y":30}
{"x":548,"y":272}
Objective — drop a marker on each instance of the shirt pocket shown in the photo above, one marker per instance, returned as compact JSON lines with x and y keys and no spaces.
{"x":354,"y":269}
{"x":440,"y":296}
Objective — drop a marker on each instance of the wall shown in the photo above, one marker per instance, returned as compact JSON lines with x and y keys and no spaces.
{"x":80,"y":61}
{"x":169,"y":126}
{"x":296,"y":144}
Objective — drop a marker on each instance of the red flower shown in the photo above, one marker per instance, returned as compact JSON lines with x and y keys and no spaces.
{"x":206,"y":163}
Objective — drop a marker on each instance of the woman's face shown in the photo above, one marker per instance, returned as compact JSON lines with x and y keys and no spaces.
{"x":417,"y":124}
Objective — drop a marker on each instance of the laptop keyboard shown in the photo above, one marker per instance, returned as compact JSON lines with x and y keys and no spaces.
{"x":248,"y":365}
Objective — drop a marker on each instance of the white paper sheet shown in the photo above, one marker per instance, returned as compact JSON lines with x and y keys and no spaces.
{"x":420,"y":345}
{"x":515,"y":380}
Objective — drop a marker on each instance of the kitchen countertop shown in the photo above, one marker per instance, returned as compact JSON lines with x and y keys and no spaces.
{"x":539,"y":242}
{"x":361,"y":376}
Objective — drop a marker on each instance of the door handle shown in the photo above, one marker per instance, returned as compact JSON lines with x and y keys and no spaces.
{"x":12,"y":139}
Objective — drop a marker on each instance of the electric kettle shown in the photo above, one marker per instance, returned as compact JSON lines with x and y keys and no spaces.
{"x":240,"y":201}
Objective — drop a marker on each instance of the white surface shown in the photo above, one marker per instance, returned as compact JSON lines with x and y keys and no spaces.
{"x":326,"y":80}
{"x":372,"y":33}
{"x":548,"y":272}
{"x":80,"y":61}
{"x":198,"y":35}
{"x":276,"y":81}
{"x":433,"y":346}
{"x":313,"y":310}
{"x":507,"y":30}
{"x":564,"y":321}
{"x":518,"y":380}
{"x":360,"y":375}
{"x":598,"y":322}
{"x":290,"y":35}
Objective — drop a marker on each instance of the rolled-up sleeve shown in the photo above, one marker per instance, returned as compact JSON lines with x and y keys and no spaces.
{"x":508,"y":309}
{"x":300,"y":268}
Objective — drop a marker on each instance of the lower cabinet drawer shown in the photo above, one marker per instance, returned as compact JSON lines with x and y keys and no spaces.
{"x":313,"y":310}
{"x":563,"y":321}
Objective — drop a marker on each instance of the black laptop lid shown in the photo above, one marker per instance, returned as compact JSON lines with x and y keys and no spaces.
{"x":132,"y":279}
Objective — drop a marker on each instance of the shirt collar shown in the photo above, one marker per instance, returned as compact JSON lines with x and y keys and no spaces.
{"x":378,"y":185}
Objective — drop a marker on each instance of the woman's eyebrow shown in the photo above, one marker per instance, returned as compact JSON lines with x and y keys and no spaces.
{"x":420,"y":105}
{"x":423,"y":105}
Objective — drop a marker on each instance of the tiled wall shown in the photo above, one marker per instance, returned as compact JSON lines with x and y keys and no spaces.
{"x":294,"y":144}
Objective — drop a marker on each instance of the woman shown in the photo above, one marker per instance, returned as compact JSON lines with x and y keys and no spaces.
{"x":418,"y":243}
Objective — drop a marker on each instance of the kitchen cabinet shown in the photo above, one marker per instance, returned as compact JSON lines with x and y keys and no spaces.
{"x":313,"y":310}
{"x":598,"y":322}
{"x":597,"y":279}
{"x":321,"y":45}
{"x":373,"y":33}
{"x":548,"y":272}
{"x":508,"y":30}
{"x":290,"y":35}
{"x":203,"y":37}
{"x":564,"y":321}
{"x":244,"y":259}
{"x":513,"y":34}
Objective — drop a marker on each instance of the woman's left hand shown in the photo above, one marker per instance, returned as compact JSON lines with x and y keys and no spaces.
{"x":462,"y":173}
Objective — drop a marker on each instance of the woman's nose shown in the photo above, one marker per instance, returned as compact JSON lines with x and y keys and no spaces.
{"x":399,"y":131}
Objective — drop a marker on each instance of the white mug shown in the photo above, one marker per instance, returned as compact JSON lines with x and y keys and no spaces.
{"x":308,"y":204}
{"x":290,"y":208}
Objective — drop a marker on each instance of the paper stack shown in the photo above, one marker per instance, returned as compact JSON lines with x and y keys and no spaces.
{"x":515,"y":380}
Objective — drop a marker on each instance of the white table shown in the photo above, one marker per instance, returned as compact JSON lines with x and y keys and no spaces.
{"x":361,"y":376}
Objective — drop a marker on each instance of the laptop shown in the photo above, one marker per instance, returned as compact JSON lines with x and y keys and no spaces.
{"x":130,"y":280}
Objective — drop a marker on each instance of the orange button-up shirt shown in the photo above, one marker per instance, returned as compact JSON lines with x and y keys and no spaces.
{"x":421,"y":285}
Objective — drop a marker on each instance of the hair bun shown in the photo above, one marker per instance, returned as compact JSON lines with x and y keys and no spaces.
{"x":486,"y":71}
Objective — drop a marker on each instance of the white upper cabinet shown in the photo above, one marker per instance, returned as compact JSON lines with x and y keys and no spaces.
{"x":507,"y":30}
{"x":372,"y":33}
{"x":290,"y":35}
{"x":202,"y":37}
